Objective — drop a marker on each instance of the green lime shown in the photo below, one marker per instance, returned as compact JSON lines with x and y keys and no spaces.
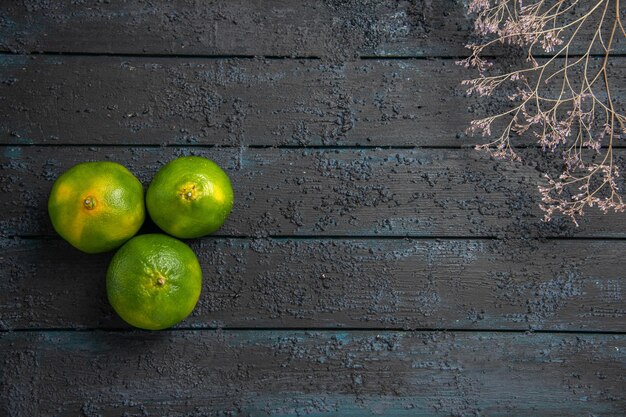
{"x":96,"y":206}
{"x":154,"y":281}
{"x":190,"y":197}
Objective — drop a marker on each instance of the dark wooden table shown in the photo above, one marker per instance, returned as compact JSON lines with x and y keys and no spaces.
{"x":374,"y":264}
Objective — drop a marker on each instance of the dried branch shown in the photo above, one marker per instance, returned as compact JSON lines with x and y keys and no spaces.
{"x":562,"y":99}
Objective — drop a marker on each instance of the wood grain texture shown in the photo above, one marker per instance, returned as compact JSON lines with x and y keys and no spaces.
{"x":233,"y":102}
{"x":329,"y":283}
{"x":303,"y":192}
{"x":332,"y":29}
{"x":94,"y":100}
{"x":266,"y":373}
{"x":336,"y":29}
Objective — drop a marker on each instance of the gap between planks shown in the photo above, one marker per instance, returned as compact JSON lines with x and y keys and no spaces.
{"x":365,"y":237}
{"x":279,"y":57}
{"x":235,"y":329}
{"x":243,"y":147}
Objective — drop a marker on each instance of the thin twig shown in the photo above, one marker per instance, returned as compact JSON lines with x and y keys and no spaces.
{"x":582,"y":116}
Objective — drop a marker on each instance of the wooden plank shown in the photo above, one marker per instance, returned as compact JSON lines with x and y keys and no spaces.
{"x":113,"y":100}
{"x":335,"y":30}
{"x":96,"y":100}
{"x":355,"y":283}
{"x":372,"y":192}
{"x":252,"y":373}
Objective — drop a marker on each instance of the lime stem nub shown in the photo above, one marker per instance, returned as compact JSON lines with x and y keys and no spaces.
{"x":90,"y":202}
{"x":160,"y":281}
{"x":189,"y":192}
